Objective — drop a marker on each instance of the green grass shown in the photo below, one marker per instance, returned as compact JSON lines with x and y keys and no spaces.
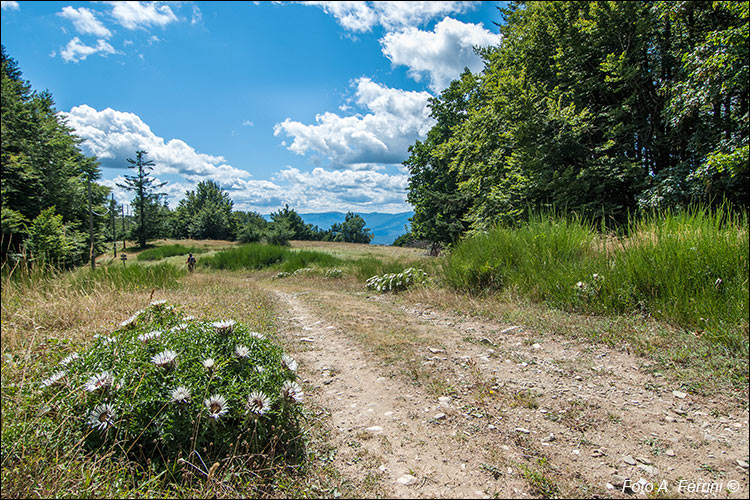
{"x":259,"y":256}
{"x":689,"y":269}
{"x":127,"y":277}
{"x":165,"y":251}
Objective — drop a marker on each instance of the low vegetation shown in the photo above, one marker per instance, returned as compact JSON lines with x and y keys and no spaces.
{"x":162,"y":252}
{"x":688,"y":268}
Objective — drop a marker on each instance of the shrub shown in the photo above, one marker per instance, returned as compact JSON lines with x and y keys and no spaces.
{"x":163,"y":385}
{"x":165,"y":251}
{"x":397,"y":281}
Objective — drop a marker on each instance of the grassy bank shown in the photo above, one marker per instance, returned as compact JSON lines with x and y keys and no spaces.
{"x":689,"y":269}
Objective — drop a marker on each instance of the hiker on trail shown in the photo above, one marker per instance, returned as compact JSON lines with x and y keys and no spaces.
{"x":191,"y":263}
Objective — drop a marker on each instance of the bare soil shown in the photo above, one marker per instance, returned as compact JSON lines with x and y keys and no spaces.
{"x":425,"y":403}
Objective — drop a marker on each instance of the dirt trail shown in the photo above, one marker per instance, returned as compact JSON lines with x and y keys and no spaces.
{"x":527,"y":415}
{"x":383,"y":427}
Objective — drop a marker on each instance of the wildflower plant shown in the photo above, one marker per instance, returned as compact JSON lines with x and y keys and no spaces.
{"x":169,"y":384}
{"x":392,"y":282}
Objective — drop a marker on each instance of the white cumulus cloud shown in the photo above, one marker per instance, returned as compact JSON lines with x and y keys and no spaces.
{"x":395,"y":120}
{"x":323,"y":190}
{"x":132,"y":15}
{"x":441,"y":54}
{"x":77,"y":51}
{"x":9,"y":5}
{"x":113,"y":136}
{"x":363,"y":16}
{"x":85,"y":21}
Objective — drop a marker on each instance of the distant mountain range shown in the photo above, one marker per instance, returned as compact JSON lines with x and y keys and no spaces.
{"x":385,"y":227}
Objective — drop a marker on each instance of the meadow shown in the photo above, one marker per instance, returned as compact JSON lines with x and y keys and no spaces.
{"x":674,"y":288}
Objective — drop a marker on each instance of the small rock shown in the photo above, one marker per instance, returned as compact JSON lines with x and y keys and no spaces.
{"x":619,"y":481}
{"x":643,"y":460}
{"x":510,"y":329}
{"x":549,"y":438}
{"x":628,"y":460}
{"x":669,"y":452}
{"x":670,"y":419}
{"x":522,"y":430}
{"x":491,"y":427}
{"x":388,"y":414}
{"x":375,"y":428}
{"x":649,"y":469}
{"x":536,"y":346}
{"x":576,"y":452}
{"x":445,"y":400}
{"x":597,"y":453}
{"x":381,"y":468}
{"x":407,"y":480}
{"x":306,"y":339}
{"x":438,"y":416}
{"x":578,"y":377}
{"x":679,"y":394}
{"x":435,"y":350}
{"x":742,"y":464}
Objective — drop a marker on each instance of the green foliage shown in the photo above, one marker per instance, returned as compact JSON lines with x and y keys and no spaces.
{"x":162,"y":252}
{"x":205,"y":213}
{"x":352,"y":230}
{"x":47,"y":241}
{"x":128,"y":277}
{"x":41,"y":167}
{"x":258,"y":256}
{"x":603,"y":108}
{"x":288,"y":223}
{"x":163,"y":385}
{"x":690,"y":268}
{"x":148,"y":211}
{"x":394,"y":282}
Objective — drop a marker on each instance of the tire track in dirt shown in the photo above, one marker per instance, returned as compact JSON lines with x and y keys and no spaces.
{"x":385,"y":431}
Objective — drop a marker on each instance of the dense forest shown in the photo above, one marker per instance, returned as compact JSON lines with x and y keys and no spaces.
{"x":605,"y":109}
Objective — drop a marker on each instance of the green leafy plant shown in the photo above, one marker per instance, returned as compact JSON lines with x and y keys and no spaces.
{"x":165,"y":385}
{"x":397,"y":281}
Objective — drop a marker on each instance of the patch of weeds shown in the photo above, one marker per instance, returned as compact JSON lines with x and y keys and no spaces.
{"x":526,"y":398}
{"x":658,"y":447}
{"x":495,"y":472}
{"x":540,"y":484}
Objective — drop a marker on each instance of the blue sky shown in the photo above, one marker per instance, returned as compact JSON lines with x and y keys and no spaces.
{"x":313,"y":104}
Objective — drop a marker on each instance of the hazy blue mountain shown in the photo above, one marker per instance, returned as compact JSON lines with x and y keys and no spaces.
{"x":385,"y":227}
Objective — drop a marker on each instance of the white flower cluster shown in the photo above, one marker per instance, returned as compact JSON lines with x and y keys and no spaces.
{"x":397,"y":281}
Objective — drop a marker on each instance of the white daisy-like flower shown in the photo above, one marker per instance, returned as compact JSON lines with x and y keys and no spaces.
{"x":288,"y":362}
{"x":181,"y":326}
{"x":105,"y":338}
{"x":223,"y":326}
{"x":54,"y":379}
{"x":181,"y":395}
{"x":259,"y":369}
{"x":99,"y":381}
{"x":69,"y":359}
{"x":242,"y":352}
{"x":209,"y":363}
{"x":158,"y":303}
{"x":258,"y":403}
{"x":129,"y":322}
{"x":147,"y":337}
{"x":189,"y":318}
{"x":257,"y":335}
{"x":102,"y":417}
{"x":164,"y":358}
{"x":291,"y":391}
{"x":217,"y":406}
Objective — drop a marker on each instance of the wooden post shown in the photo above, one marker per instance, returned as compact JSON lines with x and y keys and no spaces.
{"x":92,"y":256}
{"x":112,"y":208}
{"x":123,"y":226}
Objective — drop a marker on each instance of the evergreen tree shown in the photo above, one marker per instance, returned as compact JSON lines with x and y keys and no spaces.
{"x":146,"y":202}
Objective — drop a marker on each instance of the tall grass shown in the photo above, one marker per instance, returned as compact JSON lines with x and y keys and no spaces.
{"x":688,"y":268}
{"x":259,"y":256}
{"x":129,"y":277}
{"x":165,"y":251}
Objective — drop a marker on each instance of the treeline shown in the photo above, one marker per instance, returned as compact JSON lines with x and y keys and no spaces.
{"x":605,"y":109}
{"x":44,"y":177}
{"x":54,"y":213}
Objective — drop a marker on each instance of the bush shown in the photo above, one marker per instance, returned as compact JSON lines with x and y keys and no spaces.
{"x":397,"y":281}
{"x":128,"y":277}
{"x":258,"y":256}
{"x":163,"y":385}
{"x":165,"y":251}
